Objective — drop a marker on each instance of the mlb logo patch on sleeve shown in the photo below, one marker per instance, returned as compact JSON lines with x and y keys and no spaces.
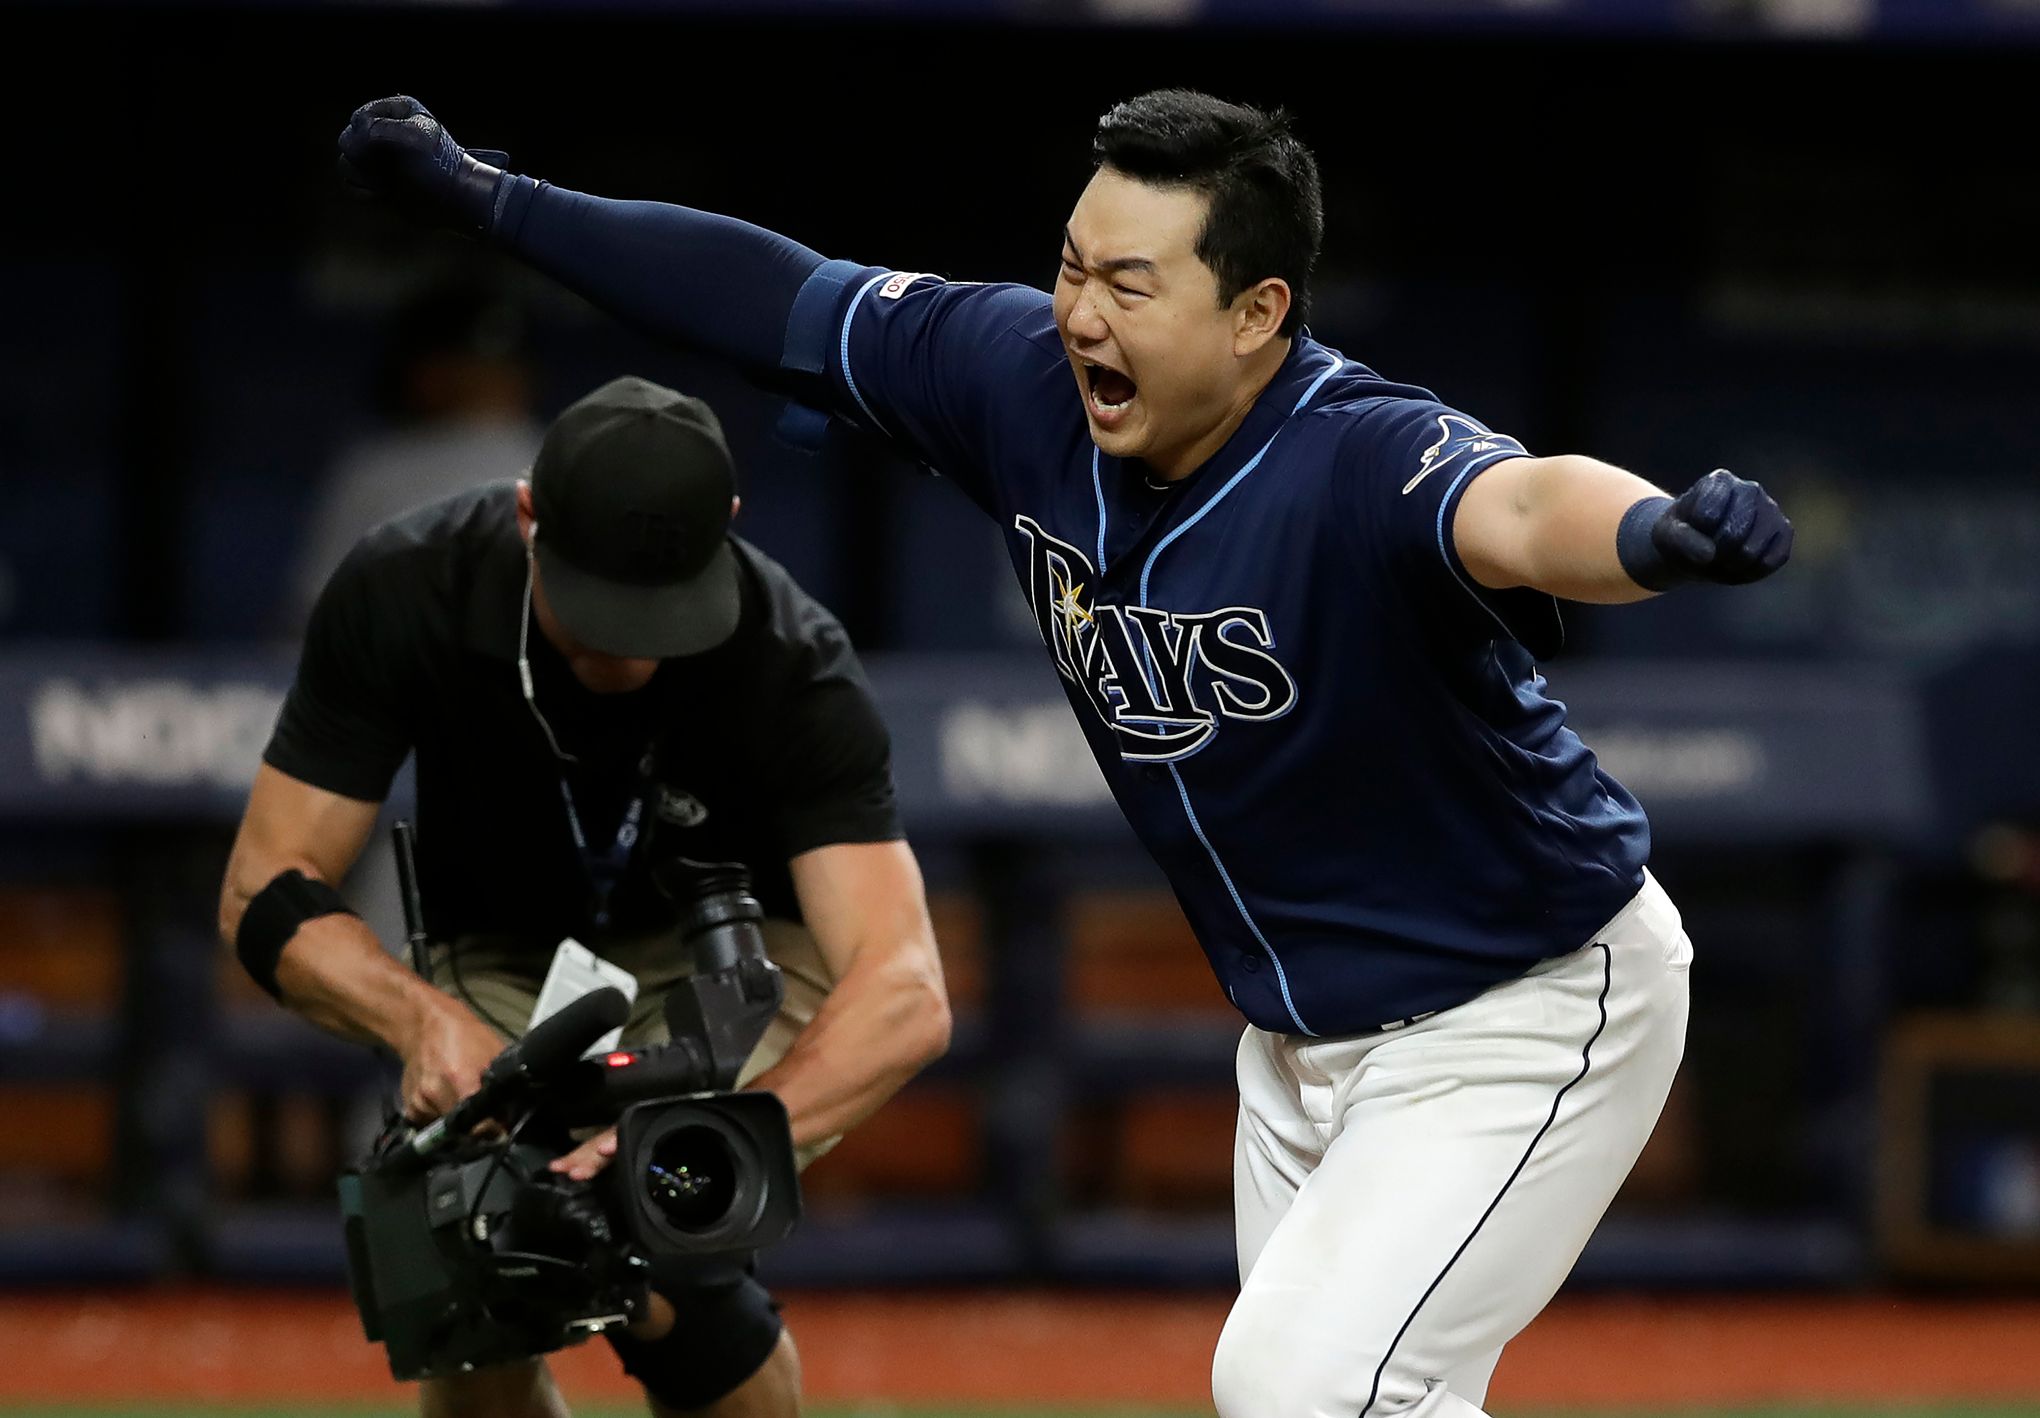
{"x":896,"y":284}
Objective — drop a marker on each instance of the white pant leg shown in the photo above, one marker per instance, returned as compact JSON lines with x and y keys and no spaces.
{"x":1468,"y":1382}
{"x":1276,"y":1143}
{"x":1469,"y":1159}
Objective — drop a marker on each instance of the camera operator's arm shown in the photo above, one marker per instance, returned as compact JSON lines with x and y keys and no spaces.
{"x":829,"y":773}
{"x":888,"y":1016}
{"x":332,"y":969}
{"x":885,"y":1020}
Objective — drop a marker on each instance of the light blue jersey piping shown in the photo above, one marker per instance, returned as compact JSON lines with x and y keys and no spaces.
{"x":1451,"y":566}
{"x":843,"y":349}
{"x":1183,"y":792}
{"x":1098,"y":487}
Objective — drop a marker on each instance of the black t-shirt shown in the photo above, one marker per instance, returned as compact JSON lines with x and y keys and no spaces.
{"x":754,"y":752}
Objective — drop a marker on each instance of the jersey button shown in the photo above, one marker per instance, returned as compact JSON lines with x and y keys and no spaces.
{"x":1155,"y":773}
{"x":1250,"y":962}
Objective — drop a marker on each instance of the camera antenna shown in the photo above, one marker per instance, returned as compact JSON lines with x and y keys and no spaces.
{"x":401,"y":837}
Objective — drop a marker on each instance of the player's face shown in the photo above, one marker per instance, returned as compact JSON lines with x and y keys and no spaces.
{"x":1152,"y":348}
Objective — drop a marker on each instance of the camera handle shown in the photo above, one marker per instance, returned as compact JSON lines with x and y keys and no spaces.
{"x":728,"y":1010}
{"x":735,"y":990}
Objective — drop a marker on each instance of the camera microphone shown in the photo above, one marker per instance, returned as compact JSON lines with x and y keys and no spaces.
{"x":552,"y":1044}
{"x":560,"y":1038}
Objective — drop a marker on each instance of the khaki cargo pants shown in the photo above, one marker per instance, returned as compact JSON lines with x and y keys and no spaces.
{"x":499,"y":979}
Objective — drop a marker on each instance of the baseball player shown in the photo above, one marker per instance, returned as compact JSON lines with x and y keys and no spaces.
{"x":1297,"y":609}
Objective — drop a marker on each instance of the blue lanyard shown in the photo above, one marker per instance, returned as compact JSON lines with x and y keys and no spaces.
{"x":605,"y":869}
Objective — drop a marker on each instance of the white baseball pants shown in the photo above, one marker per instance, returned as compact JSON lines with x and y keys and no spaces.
{"x":1406,"y":1202}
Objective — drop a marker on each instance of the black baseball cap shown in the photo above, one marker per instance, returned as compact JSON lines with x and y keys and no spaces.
{"x":631,"y":489}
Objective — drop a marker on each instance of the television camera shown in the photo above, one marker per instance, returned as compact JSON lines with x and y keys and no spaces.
{"x":464,"y":1250}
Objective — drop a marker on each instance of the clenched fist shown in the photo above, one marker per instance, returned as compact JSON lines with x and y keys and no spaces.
{"x":396,"y":150}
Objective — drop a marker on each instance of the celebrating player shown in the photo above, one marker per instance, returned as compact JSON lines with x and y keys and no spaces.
{"x":1296,"y":608}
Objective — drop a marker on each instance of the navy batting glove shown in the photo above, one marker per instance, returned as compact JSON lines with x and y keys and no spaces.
{"x":1722,"y":529}
{"x":396,"y":150}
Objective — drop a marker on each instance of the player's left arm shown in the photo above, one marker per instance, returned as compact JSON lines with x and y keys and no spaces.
{"x":1582,"y":530}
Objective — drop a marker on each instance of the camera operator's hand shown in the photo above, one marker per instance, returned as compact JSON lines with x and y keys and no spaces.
{"x":444,"y":1058}
{"x":589,"y":1158}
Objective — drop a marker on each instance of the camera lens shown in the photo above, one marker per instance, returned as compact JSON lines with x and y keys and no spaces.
{"x":692,"y":1177}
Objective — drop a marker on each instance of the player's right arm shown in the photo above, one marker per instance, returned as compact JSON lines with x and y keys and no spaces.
{"x":708,"y":282}
{"x":830,"y":334}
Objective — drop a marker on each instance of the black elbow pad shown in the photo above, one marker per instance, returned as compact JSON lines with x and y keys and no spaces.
{"x":273,"y":917}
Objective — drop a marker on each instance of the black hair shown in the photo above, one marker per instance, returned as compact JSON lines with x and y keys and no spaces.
{"x":1267,"y":216}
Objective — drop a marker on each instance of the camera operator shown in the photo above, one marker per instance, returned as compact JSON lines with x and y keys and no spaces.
{"x":595,"y":677}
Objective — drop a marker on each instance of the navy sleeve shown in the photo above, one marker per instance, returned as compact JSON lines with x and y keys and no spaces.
{"x":1405,"y":465}
{"x":904,"y":355}
{"x":938,"y":367}
{"x":706,"y":282}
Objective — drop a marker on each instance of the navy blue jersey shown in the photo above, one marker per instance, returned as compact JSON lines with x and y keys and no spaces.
{"x":1334,"y":742}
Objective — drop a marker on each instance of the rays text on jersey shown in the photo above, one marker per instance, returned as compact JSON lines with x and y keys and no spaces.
{"x":1162,"y":681}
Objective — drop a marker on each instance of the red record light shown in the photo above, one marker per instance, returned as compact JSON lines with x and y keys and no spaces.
{"x":620,"y":1060}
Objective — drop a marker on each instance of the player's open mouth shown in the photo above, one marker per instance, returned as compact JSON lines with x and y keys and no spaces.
{"x":1110,"y":393}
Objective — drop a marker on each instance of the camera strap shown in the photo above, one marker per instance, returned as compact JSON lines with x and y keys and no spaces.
{"x":605,"y":868}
